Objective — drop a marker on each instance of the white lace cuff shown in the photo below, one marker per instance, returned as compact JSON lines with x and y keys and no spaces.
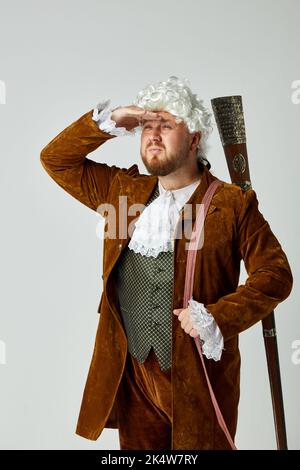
{"x":210,"y":334}
{"x":102,"y":115}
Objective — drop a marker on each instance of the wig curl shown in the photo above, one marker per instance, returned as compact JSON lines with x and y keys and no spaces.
{"x":176,"y":97}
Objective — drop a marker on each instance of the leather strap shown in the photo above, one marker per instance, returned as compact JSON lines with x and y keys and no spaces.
{"x":188,"y":290}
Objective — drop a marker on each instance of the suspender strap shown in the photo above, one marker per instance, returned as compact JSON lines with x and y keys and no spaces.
{"x":188,"y":290}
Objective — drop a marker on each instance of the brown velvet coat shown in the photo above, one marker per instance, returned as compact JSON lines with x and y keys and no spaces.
{"x":234,"y":230}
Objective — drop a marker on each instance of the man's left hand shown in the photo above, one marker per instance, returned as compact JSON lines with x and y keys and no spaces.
{"x":186,"y":322}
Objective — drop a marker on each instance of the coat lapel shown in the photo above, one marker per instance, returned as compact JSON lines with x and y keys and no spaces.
{"x":138,"y":192}
{"x":196,"y":197}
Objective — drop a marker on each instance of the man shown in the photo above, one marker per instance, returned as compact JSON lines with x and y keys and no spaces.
{"x":145,"y":377}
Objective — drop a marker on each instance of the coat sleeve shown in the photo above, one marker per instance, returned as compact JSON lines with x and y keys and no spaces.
{"x":65,"y":160}
{"x":269,"y":279}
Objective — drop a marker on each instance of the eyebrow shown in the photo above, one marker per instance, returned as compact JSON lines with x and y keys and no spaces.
{"x":163,"y":120}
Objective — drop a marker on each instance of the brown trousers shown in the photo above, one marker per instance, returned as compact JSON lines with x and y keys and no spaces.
{"x":145,"y":418}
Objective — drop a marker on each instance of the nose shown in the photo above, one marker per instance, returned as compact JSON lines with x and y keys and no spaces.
{"x":155,"y":137}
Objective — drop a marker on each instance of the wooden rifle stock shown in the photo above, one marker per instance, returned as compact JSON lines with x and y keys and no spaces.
{"x":229,"y":116}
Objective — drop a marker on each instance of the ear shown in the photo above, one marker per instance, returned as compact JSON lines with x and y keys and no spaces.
{"x":195,"y":140}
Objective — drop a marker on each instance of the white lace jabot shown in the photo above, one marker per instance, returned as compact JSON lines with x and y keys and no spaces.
{"x":154,"y":229}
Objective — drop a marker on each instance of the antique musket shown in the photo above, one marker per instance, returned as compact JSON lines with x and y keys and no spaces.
{"x":229,"y":116}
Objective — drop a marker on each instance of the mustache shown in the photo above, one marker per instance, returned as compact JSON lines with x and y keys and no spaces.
{"x":154,"y":147}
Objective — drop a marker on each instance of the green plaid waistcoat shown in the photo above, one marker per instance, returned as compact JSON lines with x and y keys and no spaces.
{"x":145,"y":290}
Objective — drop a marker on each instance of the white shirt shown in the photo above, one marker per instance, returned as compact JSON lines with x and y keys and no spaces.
{"x":154,"y":233}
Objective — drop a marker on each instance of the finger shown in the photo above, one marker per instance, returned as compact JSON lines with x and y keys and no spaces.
{"x":188,"y":328}
{"x":148,"y":112}
{"x":149,"y":115}
{"x":177,"y":311}
{"x":194,"y":333}
{"x":189,"y":325}
{"x":185,"y":321}
{"x":183,"y":316}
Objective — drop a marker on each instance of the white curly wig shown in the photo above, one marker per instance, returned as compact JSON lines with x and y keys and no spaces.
{"x":176,"y":97}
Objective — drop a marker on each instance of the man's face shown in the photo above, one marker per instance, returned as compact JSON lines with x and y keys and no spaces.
{"x":171,"y":141}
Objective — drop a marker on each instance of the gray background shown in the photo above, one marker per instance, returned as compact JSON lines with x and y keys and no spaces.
{"x":58,"y":59}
